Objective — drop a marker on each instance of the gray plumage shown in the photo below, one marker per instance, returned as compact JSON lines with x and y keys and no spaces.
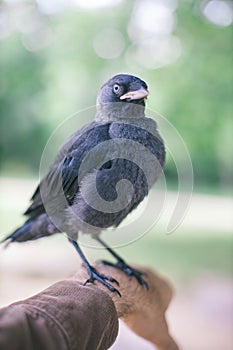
{"x":114,"y":147}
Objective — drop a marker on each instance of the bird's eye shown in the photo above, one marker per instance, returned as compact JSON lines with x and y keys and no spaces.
{"x":116,"y":88}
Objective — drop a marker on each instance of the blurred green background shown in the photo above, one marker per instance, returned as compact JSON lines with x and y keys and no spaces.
{"x":54,"y":56}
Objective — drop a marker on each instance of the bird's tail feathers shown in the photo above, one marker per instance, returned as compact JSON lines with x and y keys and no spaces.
{"x":32,"y":229}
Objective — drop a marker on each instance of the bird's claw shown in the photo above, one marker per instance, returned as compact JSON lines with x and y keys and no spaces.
{"x":94,"y":275}
{"x":128,"y":270}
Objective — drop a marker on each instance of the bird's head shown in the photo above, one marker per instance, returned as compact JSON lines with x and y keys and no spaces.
{"x":122,"y":96}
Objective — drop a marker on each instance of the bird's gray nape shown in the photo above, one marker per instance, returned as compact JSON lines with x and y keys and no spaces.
{"x":116,"y":111}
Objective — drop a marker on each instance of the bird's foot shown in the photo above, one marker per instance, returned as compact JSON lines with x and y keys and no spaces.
{"x":94,"y":275}
{"x":128,"y":270}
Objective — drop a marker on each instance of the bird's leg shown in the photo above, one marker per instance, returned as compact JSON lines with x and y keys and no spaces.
{"x":94,"y":275}
{"x":122,"y":265}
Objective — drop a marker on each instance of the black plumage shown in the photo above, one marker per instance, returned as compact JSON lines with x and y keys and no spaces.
{"x":115,"y":146}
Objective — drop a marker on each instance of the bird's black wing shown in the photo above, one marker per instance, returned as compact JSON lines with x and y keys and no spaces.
{"x":83,"y":153}
{"x":36,"y":207}
{"x":62,"y":176}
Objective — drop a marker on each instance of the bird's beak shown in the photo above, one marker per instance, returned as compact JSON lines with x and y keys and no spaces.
{"x":136,"y":95}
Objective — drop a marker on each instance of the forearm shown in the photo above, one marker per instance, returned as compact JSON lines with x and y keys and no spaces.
{"x":66,"y":315}
{"x":69,"y":315}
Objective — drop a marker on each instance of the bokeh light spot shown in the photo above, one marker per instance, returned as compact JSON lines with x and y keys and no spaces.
{"x":219,"y":12}
{"x":109,"y":43}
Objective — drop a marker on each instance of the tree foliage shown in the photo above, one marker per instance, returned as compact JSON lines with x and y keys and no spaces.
{"x":50,"y":68}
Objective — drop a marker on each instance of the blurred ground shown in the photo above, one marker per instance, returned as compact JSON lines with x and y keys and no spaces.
{"x":197,"y":259}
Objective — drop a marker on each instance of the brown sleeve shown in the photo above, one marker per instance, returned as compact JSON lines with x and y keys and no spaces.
{"x":65,"y":316}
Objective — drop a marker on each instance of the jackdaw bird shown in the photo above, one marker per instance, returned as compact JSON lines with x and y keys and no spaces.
{"x":100,"y":174}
